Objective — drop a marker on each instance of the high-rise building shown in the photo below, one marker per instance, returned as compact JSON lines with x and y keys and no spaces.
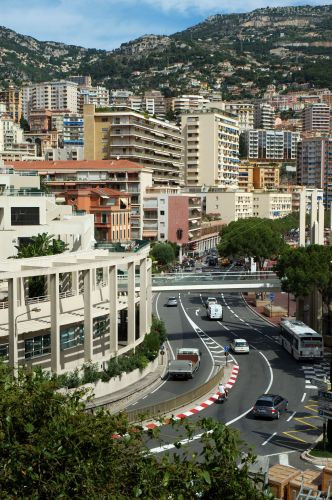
{"x":244,"y":112}
{"x":127,"y":134}
{"x":58,"y":95}
{"x":211,"y":140}
{"x":188,"y":103}
{"x":316,"y":118}
{"x":278,"y":145}
{"x":12,"y":97}
{"x":314,"y":165}
{"x":264,"y":116}
{"x":99,"y":96}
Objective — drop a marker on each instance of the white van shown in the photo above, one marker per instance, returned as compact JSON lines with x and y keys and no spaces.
{"x":214,"y":311}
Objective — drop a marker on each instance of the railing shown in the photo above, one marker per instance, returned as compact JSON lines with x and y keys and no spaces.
{"x":132,"y":246}
{"x":24,"y":192}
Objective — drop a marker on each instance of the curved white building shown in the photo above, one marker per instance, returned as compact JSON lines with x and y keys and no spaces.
{"x":97,"y":305}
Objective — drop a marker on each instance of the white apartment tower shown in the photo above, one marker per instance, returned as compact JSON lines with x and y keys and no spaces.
{"x":211,"y":139}
{"x":50,"y":95}
{"x":264,"y":116}
{"x":316,"y":118}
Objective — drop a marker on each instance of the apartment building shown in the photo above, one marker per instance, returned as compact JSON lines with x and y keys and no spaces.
{"x":127,"y":134}
{"x":246,"y":176}
{"x":266,"y":177}
{"x":12,"y":98}
{"x":316,"y":118}
{"x":211,"y":139}
{"x":271,"y":205}
{"x":10,"y":133}
{"x":55,"y":95}
{"x":70,"y":153}
{"x":296,"y":190}
{"x":314,"y":165}
{"x":121,"y":175}
{"x":186,"y":103}
{"x":230,"y":206}
{"x":73,"y":130}
{"x":276,"y":145}
{"x":244,"y":112}
{"x":87,"y":94}
{"x":110,"y":208}
{"x":264,"y":116}
{"x":25,"y":211}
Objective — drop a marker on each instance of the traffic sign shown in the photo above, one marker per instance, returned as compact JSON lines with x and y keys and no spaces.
{"x":272,"y":296}
{"x":226,"y":348}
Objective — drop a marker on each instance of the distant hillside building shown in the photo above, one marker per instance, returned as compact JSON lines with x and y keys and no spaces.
{"x":264,"y":116}
{"x":12,"y":98}
{"x":211,"y":140}
{"x":57,"y":95}
{"x":244,"y":112}
{"x":316,"y":118}
{"x":277,"y":145}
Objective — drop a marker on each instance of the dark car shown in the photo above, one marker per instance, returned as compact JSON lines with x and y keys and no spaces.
{"x":270,"y":405}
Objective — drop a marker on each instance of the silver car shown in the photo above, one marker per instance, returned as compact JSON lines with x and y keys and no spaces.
{"x":172,"y":302}
{"x":270,"y":406}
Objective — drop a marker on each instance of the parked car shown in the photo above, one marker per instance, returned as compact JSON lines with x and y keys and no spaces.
{"x":240,"y":346}
{"x":210,"y":301}
{"x":270,"y":406}
{"x":172,"y":302}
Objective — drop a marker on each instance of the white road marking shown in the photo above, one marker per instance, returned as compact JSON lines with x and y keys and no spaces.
{"x":271,"y":372}
{"x":311,"y":387}
{"x":196,"y":312}
{"x":159,"y":386}
{"x":284,"y":459}
{"x":292,"y":415}
{"x":303,"y":397}
{"x":269,"y":439}
{"x":277,"y":454}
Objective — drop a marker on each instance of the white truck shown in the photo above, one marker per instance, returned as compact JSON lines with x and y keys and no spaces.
{"x":186,"y":363}
{"x":214,"y":311}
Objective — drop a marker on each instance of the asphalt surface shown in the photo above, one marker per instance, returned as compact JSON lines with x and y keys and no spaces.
{"x":267,"y":368}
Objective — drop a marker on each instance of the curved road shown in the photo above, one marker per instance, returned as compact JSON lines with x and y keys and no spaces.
{"x":268,"y":368}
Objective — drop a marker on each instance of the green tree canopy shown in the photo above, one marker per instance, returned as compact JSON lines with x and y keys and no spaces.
{"x":40,"y":245}
{"x":163,"y":253}
{"x":50,"y":447}
{"x":252,"y":237}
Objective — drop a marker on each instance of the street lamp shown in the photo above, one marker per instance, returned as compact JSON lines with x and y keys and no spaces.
{"x":34,"y":309}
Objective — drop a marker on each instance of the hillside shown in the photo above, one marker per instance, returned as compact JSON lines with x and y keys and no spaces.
{"x":227,"y":52}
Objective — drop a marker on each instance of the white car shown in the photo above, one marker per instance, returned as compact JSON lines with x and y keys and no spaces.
{"x":210,"y":301}
{"x":240,"y":346}
{"x":214,"y":311}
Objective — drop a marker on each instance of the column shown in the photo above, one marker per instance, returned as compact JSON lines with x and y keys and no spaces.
{"x":12,"y":326}
{"x":302,"y":218}
{"x":131,"y":303}
{"x":143,"y":298}
{"x":21,"y":291}
{"x":113,"y":298}
{"x":149,"y":295}
{"x":75,"y":282}
{"x":55,"y":322}
{"x":88,"y":318}
{"x":320,"y":240}
{"x":313,"y":217}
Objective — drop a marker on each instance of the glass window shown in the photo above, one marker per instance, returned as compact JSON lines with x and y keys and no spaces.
{"x":4,"y":351}
{"x":37,"y":346}
{"x":24,"y":216}
{"x":71,"y":336}
{"x":101,"y":326}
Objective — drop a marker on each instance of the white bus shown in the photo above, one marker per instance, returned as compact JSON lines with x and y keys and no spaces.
{"x":300,"y":340}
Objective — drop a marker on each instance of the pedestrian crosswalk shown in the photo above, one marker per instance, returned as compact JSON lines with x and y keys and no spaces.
{"x":314,"y":371}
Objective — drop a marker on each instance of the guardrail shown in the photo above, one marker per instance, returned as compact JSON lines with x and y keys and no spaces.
{"x":165,"y":407}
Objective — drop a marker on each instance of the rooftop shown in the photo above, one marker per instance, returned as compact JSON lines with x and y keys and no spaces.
{"x":99,"y":191}
{"x":299,"y":328}
{"x":74,"y":165}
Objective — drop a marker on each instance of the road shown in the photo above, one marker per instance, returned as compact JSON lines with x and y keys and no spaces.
{"x":268,"y":368}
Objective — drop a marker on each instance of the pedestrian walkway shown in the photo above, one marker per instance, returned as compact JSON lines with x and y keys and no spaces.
{"x":280,"y":300}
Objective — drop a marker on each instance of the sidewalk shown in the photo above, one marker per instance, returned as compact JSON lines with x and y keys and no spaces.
{"x":280,"y":300}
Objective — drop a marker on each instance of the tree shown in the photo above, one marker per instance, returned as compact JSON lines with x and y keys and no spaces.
{"x":253,"y":237}
{"x":24,"y":124}
{"x":163,"y":253}
{"x":50,"y":447}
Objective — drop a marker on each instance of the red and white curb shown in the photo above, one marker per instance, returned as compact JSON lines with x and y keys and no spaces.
{"x":202,"y":406}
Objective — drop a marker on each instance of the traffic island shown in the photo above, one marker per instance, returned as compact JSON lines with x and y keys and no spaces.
{"x":318,"y":454}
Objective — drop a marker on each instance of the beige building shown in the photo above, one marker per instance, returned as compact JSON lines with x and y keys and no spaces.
{"x":61,"y":94}
{"x":246,"y":176}
{"x":127,"y":134}
{"x":231,"y":206}
{"x":244,"y":112}
{"x":271,"y":205}
{"x":12,"y":97}
{"x":266,"y":176}
{"x":211,"y":140}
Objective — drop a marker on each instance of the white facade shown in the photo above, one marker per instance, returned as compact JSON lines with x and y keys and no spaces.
{"x":271,"y":205}
{"x":65,"y":153}
{"x":211,"y":139}
{"x":87,"y":315}
{"x":244,"y":112}
{"x":50,"y":95}
{"x":231,"y":206}
{"x":10,"y":133}
{"x":264,"y":116}
{"x":316,"y":117}
{"x":271,"y":144}
{"x":189,"y":103}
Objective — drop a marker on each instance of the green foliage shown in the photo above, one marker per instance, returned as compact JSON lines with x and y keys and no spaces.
{"x":50,"y":447}
{"x":163,"y":253}
{"x":40,"y":245}
{"x":303,"y":269}
{"x":253,"y":237}
{"x":24,"y":124}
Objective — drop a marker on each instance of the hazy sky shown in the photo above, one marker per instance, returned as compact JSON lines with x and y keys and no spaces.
{"x":105,"y":24}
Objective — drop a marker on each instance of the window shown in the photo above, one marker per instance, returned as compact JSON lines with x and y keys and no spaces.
{"x":162,"y":212}
{"x":71,"y":336}
{"x":101,"y":326}
{"x":162,"y":235}
{"x":104,"y":217}
{"x":24,"y":216}
{"x":104,"y":119}
{"x":4,"y":351}
{"x":37,"y":346}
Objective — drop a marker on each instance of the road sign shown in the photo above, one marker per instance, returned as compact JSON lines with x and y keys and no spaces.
{"x":272,"y":296}
{"x":226,"y":348}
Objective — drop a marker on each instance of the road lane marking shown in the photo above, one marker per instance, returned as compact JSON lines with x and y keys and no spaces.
{"x":196,"y":312}
{"x":284,"y":459}
{"x":269,"y":439}
{"x":303,"y":397}
{"x":271,"y":372}
{"x":292,"y":415}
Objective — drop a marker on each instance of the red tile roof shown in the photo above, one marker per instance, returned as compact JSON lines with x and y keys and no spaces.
{"x":99,"y":191}
{"x":74,"y":165}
